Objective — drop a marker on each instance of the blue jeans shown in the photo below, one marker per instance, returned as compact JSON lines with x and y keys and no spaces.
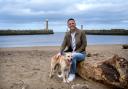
{"x":76,"y":57}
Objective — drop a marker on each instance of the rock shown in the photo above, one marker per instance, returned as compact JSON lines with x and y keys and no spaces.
{"x":125,"y":46}
{"x":79,"y":86}
{"x":91,"y":55}
{"x":113,"y":71}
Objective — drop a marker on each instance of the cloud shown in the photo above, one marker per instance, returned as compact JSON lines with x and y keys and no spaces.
{"x":57,"y":11}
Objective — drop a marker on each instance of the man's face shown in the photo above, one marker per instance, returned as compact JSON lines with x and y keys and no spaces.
{"x":71,"y":24}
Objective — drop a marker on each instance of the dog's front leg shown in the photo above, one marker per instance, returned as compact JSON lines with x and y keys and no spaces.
{"x":67,"y":74}
{"x":63,"y":74}
{"x":52,"y":70}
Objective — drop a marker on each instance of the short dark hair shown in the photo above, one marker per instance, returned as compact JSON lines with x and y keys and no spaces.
{"x":70,"y":19}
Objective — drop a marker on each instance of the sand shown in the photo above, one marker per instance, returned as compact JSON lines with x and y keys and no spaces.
{"x":30,"y":66}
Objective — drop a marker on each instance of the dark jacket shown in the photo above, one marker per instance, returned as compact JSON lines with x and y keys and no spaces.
{"x":81,"y":42}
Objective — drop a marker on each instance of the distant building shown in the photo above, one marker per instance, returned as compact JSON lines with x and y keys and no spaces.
{"x":117,"y":29}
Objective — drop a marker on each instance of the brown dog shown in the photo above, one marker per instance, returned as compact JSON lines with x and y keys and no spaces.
{"x":65,"y":62}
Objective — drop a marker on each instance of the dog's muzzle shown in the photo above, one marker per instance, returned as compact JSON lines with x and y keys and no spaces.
{"x":69,"y":60}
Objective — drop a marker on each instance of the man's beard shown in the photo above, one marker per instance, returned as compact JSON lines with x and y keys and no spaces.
{"x":72,"y":28}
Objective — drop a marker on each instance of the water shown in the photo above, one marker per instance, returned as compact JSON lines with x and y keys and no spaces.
{"x":56,"y":40}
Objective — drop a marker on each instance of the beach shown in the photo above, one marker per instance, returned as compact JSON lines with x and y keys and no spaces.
{"x":31,"y":66}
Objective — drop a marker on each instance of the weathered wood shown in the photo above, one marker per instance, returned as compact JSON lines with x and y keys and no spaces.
{"x":113,"y":71}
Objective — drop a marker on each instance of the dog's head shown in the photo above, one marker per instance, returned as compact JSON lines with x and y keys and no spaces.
{"x":68,"y":56}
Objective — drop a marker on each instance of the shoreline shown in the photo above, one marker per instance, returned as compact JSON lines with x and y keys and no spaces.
{"x":45,"y":47}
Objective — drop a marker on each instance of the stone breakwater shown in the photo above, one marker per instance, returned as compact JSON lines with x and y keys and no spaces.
{"x":25,"y":32}
{"x":107,"y":32}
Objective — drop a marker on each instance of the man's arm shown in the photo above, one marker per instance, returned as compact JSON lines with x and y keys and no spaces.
{"x":84,"y":42}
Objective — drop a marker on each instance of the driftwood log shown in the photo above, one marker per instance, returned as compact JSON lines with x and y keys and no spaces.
{"x":112,"y":71}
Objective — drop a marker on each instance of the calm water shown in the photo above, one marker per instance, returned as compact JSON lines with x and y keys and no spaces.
{"x":56,"y":40}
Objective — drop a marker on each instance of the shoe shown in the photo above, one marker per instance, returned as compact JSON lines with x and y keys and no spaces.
{"x":71,"y":77}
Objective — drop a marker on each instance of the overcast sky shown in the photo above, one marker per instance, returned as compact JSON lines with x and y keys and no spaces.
{"x":92,"y":14}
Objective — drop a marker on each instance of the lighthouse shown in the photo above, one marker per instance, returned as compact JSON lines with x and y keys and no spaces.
{"x":46,"y":24}
{"x":81,"y":27}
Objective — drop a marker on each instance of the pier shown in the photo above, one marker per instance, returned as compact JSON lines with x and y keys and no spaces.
{"x":107,"y":32}
{"x":46,"y":30}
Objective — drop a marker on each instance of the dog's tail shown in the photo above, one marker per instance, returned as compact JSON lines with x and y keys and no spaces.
{"x":57,"y":57}
{"x":56,"y":60}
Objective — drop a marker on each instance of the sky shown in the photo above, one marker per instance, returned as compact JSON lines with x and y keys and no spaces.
{"x":92,"y":14}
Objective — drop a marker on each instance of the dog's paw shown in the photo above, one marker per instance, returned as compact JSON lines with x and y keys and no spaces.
{"x":68,"y":81}
{"x":64,"y":81}
{"x":50,"y":76}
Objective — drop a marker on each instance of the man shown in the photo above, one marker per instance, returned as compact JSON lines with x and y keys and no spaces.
{"x":75,"y":42}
